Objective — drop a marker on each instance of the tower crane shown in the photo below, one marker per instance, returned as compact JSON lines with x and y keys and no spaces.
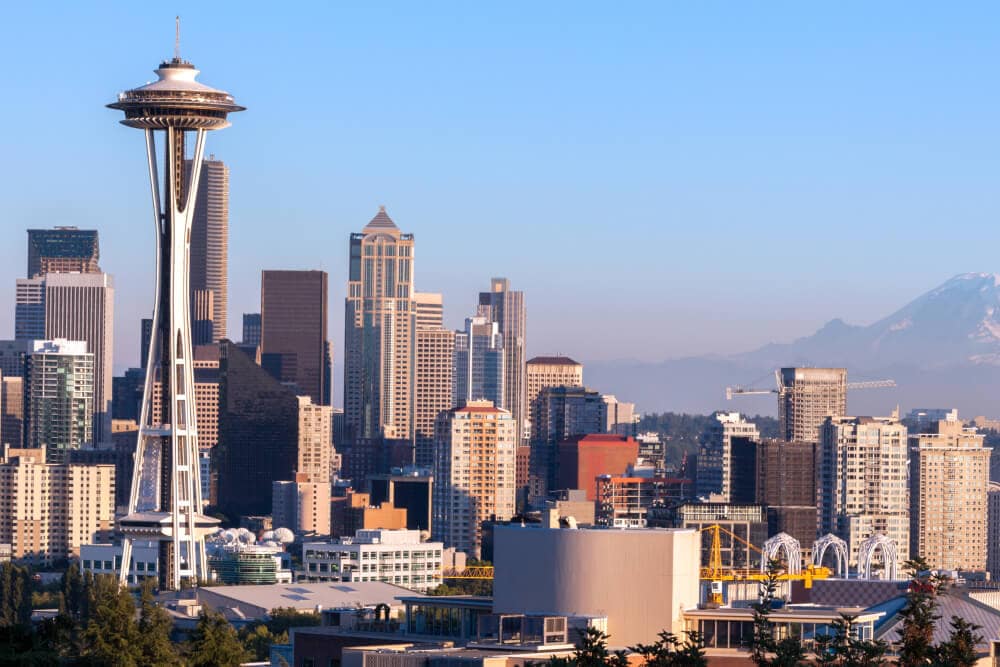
{"x":780,"y":389}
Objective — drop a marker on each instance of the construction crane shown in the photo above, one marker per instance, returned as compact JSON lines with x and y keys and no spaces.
{"x":480,"y":572}
{"x":780,"y":389}
{"x":715,"y":571}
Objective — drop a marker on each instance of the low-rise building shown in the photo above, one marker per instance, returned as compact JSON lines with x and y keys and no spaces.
{"x":391,"y":556}
{"x":107,"y":559}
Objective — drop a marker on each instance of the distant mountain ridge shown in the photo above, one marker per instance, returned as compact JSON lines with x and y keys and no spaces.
{"x":942,"y":348}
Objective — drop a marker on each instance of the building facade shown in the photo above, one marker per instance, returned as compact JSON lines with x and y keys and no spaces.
{"x":479,"y":363}
{"x":63,"y":250}
{"x":12,"y":411}
{"x":507,"y":308}
{"x":806,"y":397}
{"x":433,"y":374}
{"x":863,"y":487}
{"x":392,"y":556}
{"x":715,"y":465}
{"x":544,"y":372}
{"x":379,"y":322}
{"x":293,"y":319}
{"x":949,"y":480}
{"x":59,"y":397}
{"x":584,"y":458}
{"x":559,"y":413}
{"x":786,"y":485}
{"x":210,"y":249}
{"x":993,"y":530}
{"x":474,"y":473}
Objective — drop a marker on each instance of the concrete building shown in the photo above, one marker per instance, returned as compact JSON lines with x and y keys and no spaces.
{"x":63,"y":250}
{"x":315,"y":438}
{"x":806,"y":397}
{"x":301,"y":505}
{"x":59,"y":397}
{"x":412,"y":490}
{"x":993,"y":530}
{"x":544,"y":372}
{"x":584,"y":458}
{"x":559,"y":413}
{"x":474,"y":473}
{"x":429,"y":309}
{"x":640,"y":581}
{"x":206,"y":388}
{"x":379,"y":322}
{"x":949,"y":477}
{"x":210,"y":247}
{"x":619,"y":417}
{"x":433,"y":382}
{"x":12,"y":411}
{"x":76,"y":306}
{"x":293,"y":338}
{"x":920,"y":419}
{"x":48,"y":510}
{"x":626,"y":501}
{"x":479,"y":363}
{"x":506,"y":307}
{"x":356,"y":511}
{"x":392,"y":556}
{"x":715,"y":454}
{"x":747,"y":521}
{"x":107,"y":559}
{"x":863,"y":481}
{"x":249,"y":603}
{"x":786,"y":485}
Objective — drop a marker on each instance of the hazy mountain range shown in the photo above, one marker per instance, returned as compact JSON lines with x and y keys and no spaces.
{"x":943,"y":350}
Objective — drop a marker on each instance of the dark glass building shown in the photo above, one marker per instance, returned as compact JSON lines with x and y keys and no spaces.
{"x":411,"y":492}
{"x":293,"y":330}
{"x":63,"y":250}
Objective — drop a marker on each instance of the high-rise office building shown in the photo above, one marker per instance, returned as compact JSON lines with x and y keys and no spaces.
{"x":49,"y":510}
{"x":59,"y":397}
{"x":12,"y":411}
{"x":479,"y":363}
{"x":62,"y":250}
{"x":315,"y":448}
{"x":202,"y":312}
{"x":258,"y":434}
{"x":559,"y":414}
{"x":786,"y":484}
{"x":379,"y":323}
{"x":251,"y":329}
{"x":429,"y":310}
{"x":210,"y":250}
{"x":473,"y":472}
{"x":205,"y":366}
{"x":993,"y":530}
{"x":12,"y":354}
{"x":863,"y":481}
{"x":715,"y":466}
{"x":542,"y":372}
{"x":293,"y":317}
{"x":806,"y":397}
{"x":506,"y":307}
{"x":949,"y":477}
{"x":74,"y":306}
{"x":619,"y":417}
{"x":433,"y":377}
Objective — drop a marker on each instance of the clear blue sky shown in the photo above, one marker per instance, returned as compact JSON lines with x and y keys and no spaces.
{"x":662,"y":179}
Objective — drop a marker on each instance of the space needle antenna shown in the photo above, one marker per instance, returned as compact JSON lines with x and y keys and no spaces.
{"x":177,"y":38}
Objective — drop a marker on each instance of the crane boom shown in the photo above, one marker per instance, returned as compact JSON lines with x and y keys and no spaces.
{"x":739,"y":390}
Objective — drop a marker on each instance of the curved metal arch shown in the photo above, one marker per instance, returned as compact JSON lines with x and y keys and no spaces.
{"x":840,"y":553}
{"x":774,"y":545}
{"x":890,"y":556}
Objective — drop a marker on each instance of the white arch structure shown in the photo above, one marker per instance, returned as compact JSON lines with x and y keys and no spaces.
{"x":890,"y":557}
{"x":840,"y":553}
{"x":793,"y":552}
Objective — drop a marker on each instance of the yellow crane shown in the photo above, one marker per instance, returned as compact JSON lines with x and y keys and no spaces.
{"x":480,"y":572}
{"x":716,"y":571}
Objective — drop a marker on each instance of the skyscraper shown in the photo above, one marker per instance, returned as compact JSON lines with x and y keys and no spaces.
{"x":12,"y":412}
{"x":210,"y":247}
{"x":473,"y":473}
{"x":479,"y":363}
{"x":433,"y":374}
{"x":62,"y":250}
{"x":560,"y":413}
{"x":542,"y":372}
{"x":178,"y":106}
{"x":293,"y":315}
{"x":806,"y":397}
{"x":715,"y":454}
{"x":786,"y":484}
{"x":949,"y":478}
{"x":59,"y":397}
{"x":29,"y":310}
{"x":251,"y":329}
{"x":12,"y":353}
{"x":378,"y":338}
{"x":506,"y":307}
{"x":993,"y":530}
{"x":863,"y":481}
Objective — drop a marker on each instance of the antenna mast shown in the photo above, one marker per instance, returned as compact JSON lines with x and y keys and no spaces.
{"x":177,"y":38}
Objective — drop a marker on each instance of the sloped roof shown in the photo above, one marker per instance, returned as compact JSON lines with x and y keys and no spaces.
{"x":953,"y":603}
{"x":381,"y":222}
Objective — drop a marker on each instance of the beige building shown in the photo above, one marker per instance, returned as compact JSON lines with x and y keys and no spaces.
{"x":619,"y":417}
{"x":993,"y":530}
{"x":949,"y":476}
{"x":206,"y":393}
{"x":315,"y":441}
{"x":433,"y":368}
{"x":863,"y":486}
{"x":806,"y":397}
{"x":378,"y":340}
{"x":47,"y":511}
{"x":545,"y":372}
{"x":637,"y":582}
{"x":303,"y":504}
{"x":12,"y":411}
{"x":474,"y":473}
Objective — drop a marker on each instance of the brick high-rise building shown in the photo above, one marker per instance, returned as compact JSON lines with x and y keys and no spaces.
{"x":379,"y":323}
{"x":863,"y":481}
{"x":59,"y":397}
{"x":506,"y":307}
{"x":582,"y":459}
{"x":63,"y":250}
{"x":786,"y":484}
{"x":49,"y":510}
{"x":808,"y":396}
{"x":210,"y":250}
{"x":474,"y":473}
{"x":293,"y":318}
{"x":949,"y":477}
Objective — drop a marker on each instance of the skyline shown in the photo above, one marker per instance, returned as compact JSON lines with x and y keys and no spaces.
{"x":536,"y":136}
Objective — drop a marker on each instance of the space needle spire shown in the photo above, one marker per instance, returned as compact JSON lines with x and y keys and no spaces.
{"x":165,"y":501}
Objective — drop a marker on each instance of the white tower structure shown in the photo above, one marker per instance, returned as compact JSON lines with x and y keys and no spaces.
{"x":165,"y":501}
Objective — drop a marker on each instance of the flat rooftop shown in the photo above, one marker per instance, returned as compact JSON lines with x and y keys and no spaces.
{"x":309,"y":596}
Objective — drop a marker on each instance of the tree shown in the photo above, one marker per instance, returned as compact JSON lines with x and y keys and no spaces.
{"x":257,"y":639}
{"x":669,"y":651}
{"x":767,"y":650}
{"x":15,"y":595}
{"x":960,"y":649}
{"x":282,"y":618}
{"x":845,"y":649}
{"x":917,"y":634}
{"x":214,"y":643}
{"x":154,"y":630}
{"x":112,"y":635}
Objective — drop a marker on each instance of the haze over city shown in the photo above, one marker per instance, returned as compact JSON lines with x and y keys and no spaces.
{"x":662,"y":181}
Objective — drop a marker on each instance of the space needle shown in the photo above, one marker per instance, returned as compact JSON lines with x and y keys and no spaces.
{"x":165,"y":502}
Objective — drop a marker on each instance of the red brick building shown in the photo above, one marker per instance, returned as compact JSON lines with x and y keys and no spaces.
{"x":583,"y":458}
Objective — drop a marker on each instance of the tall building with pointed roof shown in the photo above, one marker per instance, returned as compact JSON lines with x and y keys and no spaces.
{"x":379,"y":323}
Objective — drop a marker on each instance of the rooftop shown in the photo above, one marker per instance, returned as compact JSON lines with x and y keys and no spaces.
{"x":381,"y":222}
{"x":553,"y":361}
{"x":309,"y":596}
